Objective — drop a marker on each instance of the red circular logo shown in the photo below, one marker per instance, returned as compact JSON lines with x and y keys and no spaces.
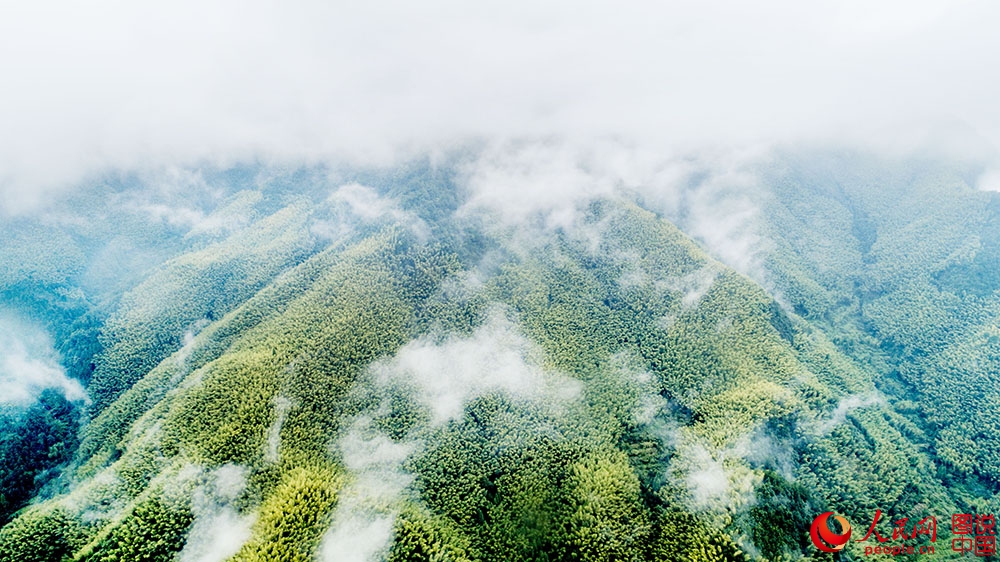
{"x":824,"y":538}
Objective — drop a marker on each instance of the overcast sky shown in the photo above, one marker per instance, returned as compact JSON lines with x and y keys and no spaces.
{"x":90,"y":86}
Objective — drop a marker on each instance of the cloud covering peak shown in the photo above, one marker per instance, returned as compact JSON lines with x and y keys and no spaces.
{"x":105,"y":85}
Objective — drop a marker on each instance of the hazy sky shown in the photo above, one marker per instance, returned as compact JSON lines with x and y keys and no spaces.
{"x":86,"y":87}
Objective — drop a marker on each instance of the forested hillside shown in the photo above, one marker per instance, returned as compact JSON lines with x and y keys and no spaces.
{"x":376,"y":365}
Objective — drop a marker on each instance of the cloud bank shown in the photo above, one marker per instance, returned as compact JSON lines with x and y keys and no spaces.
{"x":106,"y":85}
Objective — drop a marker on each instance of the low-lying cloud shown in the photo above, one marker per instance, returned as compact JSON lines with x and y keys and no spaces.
{"x":363,"y":521}
{"x":441,"y":373}
{"x":29,"y":365}
{"x":445,"y":376}
{"x":219,"y":529}
{"x":845,"y":406}
{"x":353,"y":204}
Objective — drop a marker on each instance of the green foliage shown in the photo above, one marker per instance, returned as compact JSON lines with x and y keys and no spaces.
{"x":420,"y":537}
{"x":32,"y":446}
{"x":42,"y":253}
{"x":681,"y":536}
{"x":894,"y":261}
{"x":41,"y":535}
{"x":685,"y":388}
{"x":604,"y":519}
{"x":782,"y":516}
{"x":153,"y":318}
{"x":293,"y":517}
{"x":153,"y":531}
{"x":103,"y":433}
{"x":355,"y":311}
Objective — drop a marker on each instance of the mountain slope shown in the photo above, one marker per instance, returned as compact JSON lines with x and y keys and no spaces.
{"x":389,"y":372}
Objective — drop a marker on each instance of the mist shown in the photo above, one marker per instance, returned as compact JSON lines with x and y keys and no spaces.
{"x":99,"y":87}
{"x":29,"y":364}
{"x":219,"y":530}
{"x":441,"y":374}
{"x":647,"y":259}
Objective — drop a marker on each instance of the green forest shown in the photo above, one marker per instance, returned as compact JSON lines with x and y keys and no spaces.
{"x":370,"y":366}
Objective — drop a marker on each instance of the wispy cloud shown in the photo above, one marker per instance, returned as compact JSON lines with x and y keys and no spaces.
{"x":441,"y":374}
{"x":29,"y":364}
{"x":353,"y":204}
{"x":219,"y":529}
{"x":446,"y":375}
{"x":366,"y":510}
{"x":989,"y":180}
{"x":845,"y":406}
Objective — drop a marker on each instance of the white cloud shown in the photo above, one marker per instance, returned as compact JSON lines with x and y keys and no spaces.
{"x":29,"y":364}
{"x":989,"y":180}
{"x":367,"y":507}
{"x":366,"y":204}
{"x":847,"y":405}
{"x":443,"y":373}
{"x":358,"y":539}
{"x":228,"y":217}
{"x":282,"y":406}
{"x":524,"y":181}
{"x":184,"y":353}
{"x":218,"y":530}
{"x":708,"y":482}
{"x":447,"y":375}
{"x":109,"y":84}
{"x":714,"y":197}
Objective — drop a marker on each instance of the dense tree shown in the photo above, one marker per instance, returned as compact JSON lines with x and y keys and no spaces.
{"x":675,"y":409}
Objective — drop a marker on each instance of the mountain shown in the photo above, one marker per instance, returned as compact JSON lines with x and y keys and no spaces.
{"x":285,"y":365}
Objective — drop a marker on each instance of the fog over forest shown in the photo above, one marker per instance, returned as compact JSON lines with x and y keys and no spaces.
{"x":497,"y":281}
